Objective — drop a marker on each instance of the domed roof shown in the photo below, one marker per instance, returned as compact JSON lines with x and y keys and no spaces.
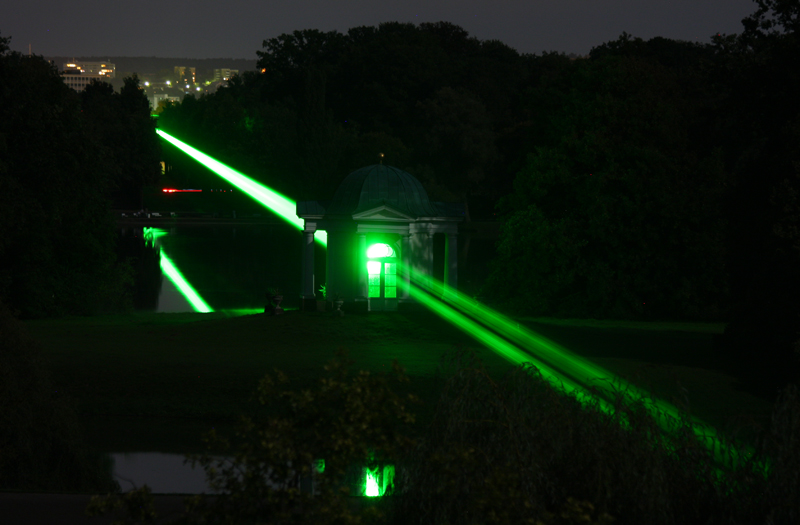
{"x":378,"y":185}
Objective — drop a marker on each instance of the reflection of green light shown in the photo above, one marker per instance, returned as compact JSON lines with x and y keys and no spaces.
{"x":555,"y":363}
{"x":183,"y":285}
{"x":277,"y":203}
{"x":378,"y":481}
{"x":151,"y":236}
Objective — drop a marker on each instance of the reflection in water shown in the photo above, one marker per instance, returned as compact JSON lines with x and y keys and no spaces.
{"x":144,"y":260}
{"x":231,"y":267}
{"x":171,"y":300}
{"x":163,"y":473}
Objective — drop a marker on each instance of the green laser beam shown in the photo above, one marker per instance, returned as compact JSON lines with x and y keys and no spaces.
{"x":152,"y":235}
{"x":518,"y":345}
{"x":174,"y":275}
{"x":277,"y":203}
{"x":556,"y":364}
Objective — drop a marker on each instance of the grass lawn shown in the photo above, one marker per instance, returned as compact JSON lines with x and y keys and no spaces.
{"x":155,"y":382}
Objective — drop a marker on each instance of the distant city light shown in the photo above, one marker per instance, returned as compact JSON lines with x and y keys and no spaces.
{"x":147,"y":83}
{"x":169,"y":83}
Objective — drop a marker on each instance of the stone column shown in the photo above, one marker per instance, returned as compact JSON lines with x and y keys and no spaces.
{"x":307,"y":291}
{"x":428,"y":263}
{"x":362,"y":292}
{"x":406,"y":265}
{"x":451,"y":263}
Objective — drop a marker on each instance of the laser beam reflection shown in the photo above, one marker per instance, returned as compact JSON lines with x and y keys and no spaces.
{"x":183,"y":285}
{"x":152,"y":235}
{"x":277,"y":203}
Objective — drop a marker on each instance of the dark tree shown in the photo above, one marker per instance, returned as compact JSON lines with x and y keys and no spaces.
{"x":761,"y":129}
{"x":59,"y":166}
{"x":618,"y":212}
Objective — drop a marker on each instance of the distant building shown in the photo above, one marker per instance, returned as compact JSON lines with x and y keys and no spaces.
{"x":224,"y":74}
{"x":78,"y":75}
{"x":79,"y":81}
{"x":186,"y":74}
{"x":101,"y":69}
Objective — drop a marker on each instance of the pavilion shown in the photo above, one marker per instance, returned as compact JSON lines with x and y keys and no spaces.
{"x":379,"y":223}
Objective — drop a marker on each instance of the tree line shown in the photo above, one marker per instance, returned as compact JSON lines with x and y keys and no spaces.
{"x":65,"y":160}
{"x":650,"y":180}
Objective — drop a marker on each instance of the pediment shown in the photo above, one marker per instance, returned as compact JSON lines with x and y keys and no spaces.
{"x":382,"y":213}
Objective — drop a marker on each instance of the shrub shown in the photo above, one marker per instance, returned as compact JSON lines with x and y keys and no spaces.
{"x":41,"y":447}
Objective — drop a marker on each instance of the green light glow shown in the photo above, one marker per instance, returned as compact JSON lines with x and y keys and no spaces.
{"x":378,"y":481}
{"x":277,"y":203}
{"x":376,"y":251}
{"x":371,"y":487}
{"x":151,"y":236}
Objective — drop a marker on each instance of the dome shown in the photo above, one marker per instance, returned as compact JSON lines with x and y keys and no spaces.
{"x":378,"y":185}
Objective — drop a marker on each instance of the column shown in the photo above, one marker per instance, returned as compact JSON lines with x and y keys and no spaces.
{"x":451,"y":263}
{"x":307,"y":291}
{"x":428,"y":263}
{"x":405,"y":269}
{"x":362,"y":291}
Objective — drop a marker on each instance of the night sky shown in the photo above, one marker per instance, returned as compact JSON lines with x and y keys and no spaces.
{"x":236,"y":28}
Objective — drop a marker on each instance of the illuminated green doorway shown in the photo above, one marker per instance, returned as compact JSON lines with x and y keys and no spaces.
{"x":382,"y":277}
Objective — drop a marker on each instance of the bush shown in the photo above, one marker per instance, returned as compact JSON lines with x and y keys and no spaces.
{"x":516,"y":450}
{"x":519,"y":450}
{"x":41,"y":447}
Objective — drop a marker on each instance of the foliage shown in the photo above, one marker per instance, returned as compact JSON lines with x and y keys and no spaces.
{"x":760,"y":127}
{"x":134,"y":507}
{"x":61,"y":162}
{"x":618,"y":213}
{"x":124,"y":138}
{"x":41,"y":447}
{"x":348,"y":421}
{"x":436,"y":101}
{"x":516,"y":450}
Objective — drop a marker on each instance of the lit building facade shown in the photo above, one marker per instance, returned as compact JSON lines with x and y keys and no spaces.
{"x":224,"y":74}
{"x":78,"y":75}
{"x":105,"y":70}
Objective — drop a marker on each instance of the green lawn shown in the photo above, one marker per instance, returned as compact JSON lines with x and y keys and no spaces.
{"x":157,"y":381}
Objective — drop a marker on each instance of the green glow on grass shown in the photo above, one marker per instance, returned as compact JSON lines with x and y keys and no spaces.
{"x":277,"y":203}
{"x":151,"y":235}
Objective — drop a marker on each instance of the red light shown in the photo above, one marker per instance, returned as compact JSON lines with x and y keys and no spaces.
{"x":172,"y":190}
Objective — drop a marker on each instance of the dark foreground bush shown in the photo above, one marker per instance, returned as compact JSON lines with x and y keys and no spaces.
{"x":514,"y":451}
{"x":41,"y":447}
